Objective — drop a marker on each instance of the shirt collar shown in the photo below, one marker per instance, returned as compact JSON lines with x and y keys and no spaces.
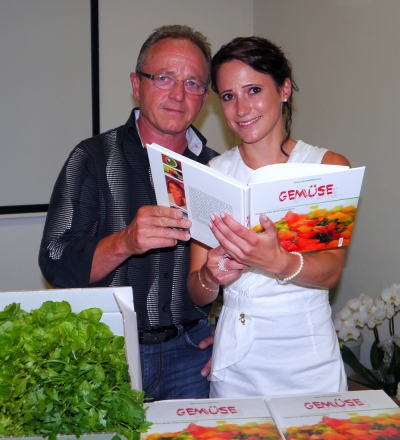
{"x":194,"y":143}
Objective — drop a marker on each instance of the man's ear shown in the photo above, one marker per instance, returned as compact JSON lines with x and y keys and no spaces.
{"x":205,"y":96}
{"x":135,"y":81}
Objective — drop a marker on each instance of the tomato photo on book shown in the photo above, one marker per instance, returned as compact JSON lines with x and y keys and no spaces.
{"x":316,"y":230}
{"x":383,"y":426}
{"x":248,"y":431}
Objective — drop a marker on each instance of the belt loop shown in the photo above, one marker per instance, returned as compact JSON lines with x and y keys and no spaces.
{"x":180,"y":329}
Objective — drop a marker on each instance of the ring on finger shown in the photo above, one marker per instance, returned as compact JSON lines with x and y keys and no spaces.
{"x":221,"y":264}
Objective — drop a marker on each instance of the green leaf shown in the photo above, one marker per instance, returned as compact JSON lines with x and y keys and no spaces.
{"x":9,"y":312}
{"x":51,"y":311}
{"x":92,"y":315}
{"x":99,"y":375}
{"x":20,"y":385}
{"x":118,"y":342}
{"x":376,"y":356}
{"x":92,"y":418}
{"x":350,"y":359}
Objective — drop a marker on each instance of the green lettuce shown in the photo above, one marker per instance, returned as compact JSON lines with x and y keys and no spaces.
{"x":64,"y":373}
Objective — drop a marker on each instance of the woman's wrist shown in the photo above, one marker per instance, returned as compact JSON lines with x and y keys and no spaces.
{"x":294,"y":272}
{"x":204,"y":284}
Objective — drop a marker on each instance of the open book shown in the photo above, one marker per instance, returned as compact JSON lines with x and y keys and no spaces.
{"x":240,"y":418}
{"x":369,"y":414}
{"x":313,"y":206}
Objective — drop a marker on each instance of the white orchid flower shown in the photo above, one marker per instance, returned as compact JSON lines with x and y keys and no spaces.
{"x":343,"y":318}
{"x":390,"y":312}
{"x":365,"y":310}
{"x":387,"y":306}
{"x":349,"y":332}
{"x":360,"y":318}
{"x":391,"y":295}
{"x":378,"y":316}
{"x":346,"y":323}
{"x":353,"y":304}
{"x":367,"y":304}
{"x":371,"y":319}
{"x":338,"y":324}
{"x":344,"y":313}
{"x":380,"y":304}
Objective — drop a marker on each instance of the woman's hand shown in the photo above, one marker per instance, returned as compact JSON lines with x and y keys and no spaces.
{"x":263,"y":250}
{"x":220,"y":267}
{"x":206,"y":274}
{"x":246,"y":247}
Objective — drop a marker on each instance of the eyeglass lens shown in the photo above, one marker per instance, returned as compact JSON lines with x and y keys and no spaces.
{"x":191,"y":86}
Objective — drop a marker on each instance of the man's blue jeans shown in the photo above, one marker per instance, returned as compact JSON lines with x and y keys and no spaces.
{"x":171,"y":370}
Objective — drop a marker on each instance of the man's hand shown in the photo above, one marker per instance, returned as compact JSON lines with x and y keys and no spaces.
{"x":153,"y":227}
{"x":204,"y":344}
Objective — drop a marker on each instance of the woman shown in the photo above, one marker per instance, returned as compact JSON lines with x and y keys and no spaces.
{"x":275,"y":334}
{"x":176,"y":193}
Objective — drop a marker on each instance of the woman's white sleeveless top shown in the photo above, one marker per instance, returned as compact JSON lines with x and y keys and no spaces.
{"x":274,"y":339}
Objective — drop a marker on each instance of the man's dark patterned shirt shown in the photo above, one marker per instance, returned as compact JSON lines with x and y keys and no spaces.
{"x":104,"y":182}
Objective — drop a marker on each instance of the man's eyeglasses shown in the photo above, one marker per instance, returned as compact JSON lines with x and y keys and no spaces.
{"x":191,"y":86}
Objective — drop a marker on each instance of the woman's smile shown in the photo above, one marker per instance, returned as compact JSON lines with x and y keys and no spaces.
{"x":247,"y":123}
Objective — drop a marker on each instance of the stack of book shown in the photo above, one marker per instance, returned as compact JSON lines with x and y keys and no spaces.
{"x":369,"y":414}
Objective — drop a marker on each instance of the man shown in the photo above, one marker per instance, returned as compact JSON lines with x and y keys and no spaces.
{"x":103,"y":227}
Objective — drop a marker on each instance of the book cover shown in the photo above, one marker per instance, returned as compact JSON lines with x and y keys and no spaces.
{"x":210,"y":419}
{"x":313,"y":206}
{"x":311,"y":212}
{"x":364,"y":415}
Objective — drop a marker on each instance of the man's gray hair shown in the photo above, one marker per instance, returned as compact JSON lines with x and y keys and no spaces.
{"x":177,"y":32}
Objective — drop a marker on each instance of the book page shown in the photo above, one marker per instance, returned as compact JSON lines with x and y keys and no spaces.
{"x":204,"y":205}
{"x":197,"y":190}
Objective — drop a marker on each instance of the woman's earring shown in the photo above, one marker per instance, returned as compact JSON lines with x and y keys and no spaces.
{"x":284,"y":106}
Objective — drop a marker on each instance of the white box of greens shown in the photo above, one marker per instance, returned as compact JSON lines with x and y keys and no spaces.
{"x":118,"y":313}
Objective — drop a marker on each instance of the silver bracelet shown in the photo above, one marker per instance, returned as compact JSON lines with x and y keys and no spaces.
{"x":285,"y":280}
{"x":202,"y":285}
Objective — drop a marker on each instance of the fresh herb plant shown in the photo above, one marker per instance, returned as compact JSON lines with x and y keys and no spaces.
{"x":64,"y":373}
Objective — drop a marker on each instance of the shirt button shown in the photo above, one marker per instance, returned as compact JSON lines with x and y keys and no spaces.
{"x":165,"y":308}
{"x":166,"y":275}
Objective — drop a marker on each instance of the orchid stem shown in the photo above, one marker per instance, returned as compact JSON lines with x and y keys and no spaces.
{"x":394,"y":360}
{"x":391,"y":326}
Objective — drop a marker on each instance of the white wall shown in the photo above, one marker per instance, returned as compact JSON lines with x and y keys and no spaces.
{"x":19,"y":243}
{"x":45,"y":109}
{"x":124,"y":25}
{"x":45,"y":93}
{"x":345,"y":57}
